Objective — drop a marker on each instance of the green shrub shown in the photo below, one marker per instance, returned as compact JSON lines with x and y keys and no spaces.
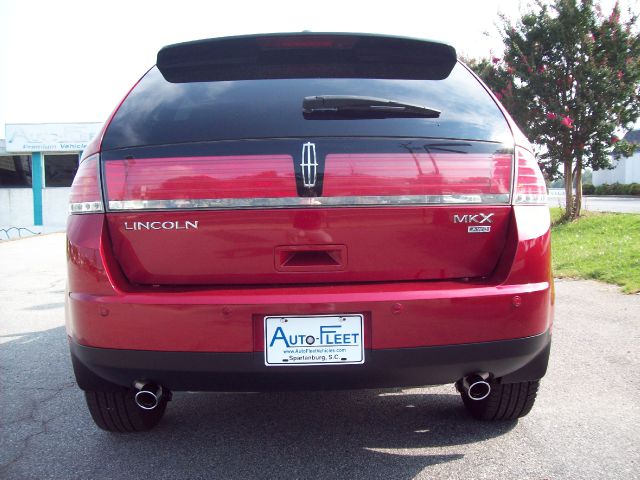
{"x":634,"y":189}
{"x":618,"y":189}
{"x":612,"y":189}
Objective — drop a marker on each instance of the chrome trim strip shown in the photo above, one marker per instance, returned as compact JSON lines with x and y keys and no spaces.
{"x":291,"y":202}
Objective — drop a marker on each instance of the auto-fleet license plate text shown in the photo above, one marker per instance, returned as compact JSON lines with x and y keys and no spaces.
{"x":313,"y":340}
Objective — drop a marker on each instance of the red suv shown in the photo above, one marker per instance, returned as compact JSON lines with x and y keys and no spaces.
{"x":308,"y":211}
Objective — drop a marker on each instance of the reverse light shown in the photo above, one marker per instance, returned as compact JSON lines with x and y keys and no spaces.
{"x":530,"y":187}
{"x":85,"y":196}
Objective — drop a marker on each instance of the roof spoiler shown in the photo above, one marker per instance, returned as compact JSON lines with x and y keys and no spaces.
{"x":306,"y":55}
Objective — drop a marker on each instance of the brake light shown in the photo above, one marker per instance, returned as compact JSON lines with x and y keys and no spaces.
{"x":303,"y":42}
{"x":85,"y":196}
{"x":530,"y":187}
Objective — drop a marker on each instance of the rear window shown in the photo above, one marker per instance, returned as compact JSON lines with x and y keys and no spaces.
{"x":158,"y":112}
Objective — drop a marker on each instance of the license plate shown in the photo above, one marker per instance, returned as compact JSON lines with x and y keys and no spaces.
{"x":313,"y":340}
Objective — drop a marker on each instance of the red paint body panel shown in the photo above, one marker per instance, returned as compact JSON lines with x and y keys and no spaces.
{"x":104,"y":310}
{"x":241,"y":246}
{"x":235,"y":246}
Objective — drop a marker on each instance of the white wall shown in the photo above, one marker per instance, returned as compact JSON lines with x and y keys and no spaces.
{"x":627,"y":171}
{"x":16,"y":208}
{"x":16,"y":212}
{"x":633,"y":168}
{"x":55,"y":206}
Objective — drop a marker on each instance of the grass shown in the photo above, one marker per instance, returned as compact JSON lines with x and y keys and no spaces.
{"x":601,"y":246}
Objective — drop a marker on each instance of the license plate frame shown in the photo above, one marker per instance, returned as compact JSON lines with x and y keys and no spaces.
{"x":320,"y":340}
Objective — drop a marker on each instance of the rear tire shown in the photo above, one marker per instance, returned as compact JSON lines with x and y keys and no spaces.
{"x":118,"y":412}
{"x":507,"y":401}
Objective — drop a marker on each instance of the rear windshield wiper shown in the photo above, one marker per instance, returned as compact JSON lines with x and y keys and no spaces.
{"x":351,"y":106}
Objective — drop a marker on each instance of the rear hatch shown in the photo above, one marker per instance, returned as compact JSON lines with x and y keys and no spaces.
{"x":213,"y":180}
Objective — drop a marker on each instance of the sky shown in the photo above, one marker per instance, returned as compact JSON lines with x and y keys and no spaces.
{"x":73,"y":61}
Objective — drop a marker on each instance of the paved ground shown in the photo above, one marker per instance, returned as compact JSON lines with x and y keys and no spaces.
{"x":585,"y":424}
{"x":603,"y":204}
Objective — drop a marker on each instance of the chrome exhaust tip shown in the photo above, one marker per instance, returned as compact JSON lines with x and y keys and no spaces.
{"x":476,"y":386}
{"x":148,"y":395}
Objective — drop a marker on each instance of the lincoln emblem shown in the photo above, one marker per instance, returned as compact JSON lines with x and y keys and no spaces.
{"x":309,"y":165}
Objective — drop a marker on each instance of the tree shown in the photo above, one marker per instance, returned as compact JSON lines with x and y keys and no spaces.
{"x":570,"y":77}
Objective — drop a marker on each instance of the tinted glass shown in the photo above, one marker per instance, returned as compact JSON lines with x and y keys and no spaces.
{"x":158,"y":112}
{"x":15,"y":171}
{"x":59,"y":170}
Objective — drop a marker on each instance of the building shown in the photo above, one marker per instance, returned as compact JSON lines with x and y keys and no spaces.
{"x":627,"y":170}
{"x":37,"y":165}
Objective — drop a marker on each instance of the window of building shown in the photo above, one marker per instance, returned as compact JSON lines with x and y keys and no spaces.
{"x":59,"y":170}
{"x":15,"y":171}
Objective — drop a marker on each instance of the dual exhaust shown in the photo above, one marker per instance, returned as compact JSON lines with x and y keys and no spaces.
{"x":476,"y":386}
{"x":148,"y":395}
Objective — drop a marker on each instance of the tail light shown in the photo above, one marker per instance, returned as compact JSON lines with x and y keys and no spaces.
{"x":85,"y":196}
{"x":476,"y":177}
{"x":197,"y":181}
{"x":263,"y":181}
{"x":530,"y":187}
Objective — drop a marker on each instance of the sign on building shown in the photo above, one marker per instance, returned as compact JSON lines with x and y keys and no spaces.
{"x":49,"y":137}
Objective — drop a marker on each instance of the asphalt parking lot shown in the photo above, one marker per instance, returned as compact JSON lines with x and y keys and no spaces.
{"x":584,"y":425}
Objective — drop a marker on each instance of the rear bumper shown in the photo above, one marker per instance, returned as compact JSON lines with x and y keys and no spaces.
{"x":523,"y":359}
{"x":396,"y":316}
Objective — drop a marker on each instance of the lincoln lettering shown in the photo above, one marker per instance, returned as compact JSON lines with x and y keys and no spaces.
{"x":167,"y":225}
